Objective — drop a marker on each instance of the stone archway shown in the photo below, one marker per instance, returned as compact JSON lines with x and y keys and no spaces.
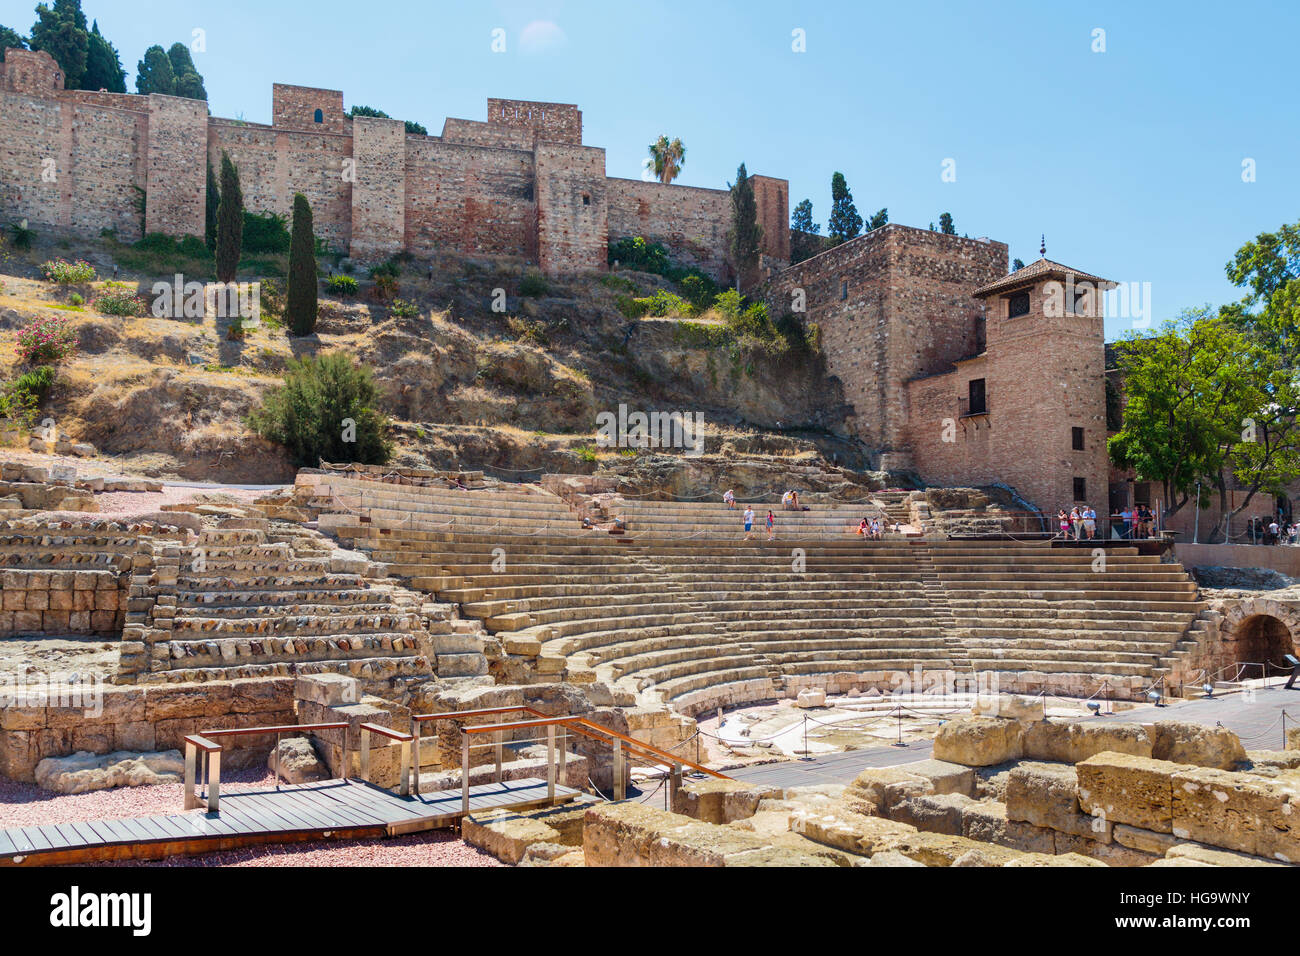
{"x":1259,"y":630}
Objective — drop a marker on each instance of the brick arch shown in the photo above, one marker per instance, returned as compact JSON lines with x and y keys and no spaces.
{"x":1258,"y":630}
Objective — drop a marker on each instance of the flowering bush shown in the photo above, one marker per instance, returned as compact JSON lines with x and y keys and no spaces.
{"x":45,"y":340}
{"x":120,"y":302}
{"x":67,"y":273}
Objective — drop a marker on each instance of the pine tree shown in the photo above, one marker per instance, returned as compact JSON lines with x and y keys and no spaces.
{"x":61,"y":32}
{"x":946,"y":226}
{"x":802,"y":219}
{"x":845,"y":223}
{"x":154,"y":73}
{"x":745,"y":236}
{"x":879,"y":219}
{"x":10,"y":37}
{"x":230,"y":221}
{"x":210,"y":208}
{"x":300,"y":306}
{"x":103,"y":65}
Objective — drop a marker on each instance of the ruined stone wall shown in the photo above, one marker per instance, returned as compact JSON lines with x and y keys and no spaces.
{"x":773,"y":199}
{"x":475,"y":200}
{"x":572,"y":230}
{"x":294,"y":107}
{"x":690,"y":222}
{"x":474,"y":133}
{"x":108,"y":158}
{"x":31,"y":130}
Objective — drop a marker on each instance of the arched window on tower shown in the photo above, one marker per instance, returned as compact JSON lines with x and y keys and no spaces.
{"x":319,"y":117}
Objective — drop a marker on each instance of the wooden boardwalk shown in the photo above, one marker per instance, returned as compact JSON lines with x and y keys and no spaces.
{"x":332,"y":809}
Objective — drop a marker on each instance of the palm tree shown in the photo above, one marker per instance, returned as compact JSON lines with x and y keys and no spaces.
{"x":669,"y":158}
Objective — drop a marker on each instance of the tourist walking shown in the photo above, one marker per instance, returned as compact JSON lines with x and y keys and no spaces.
{"x":749,"y":522}
{"x":771,"y":525}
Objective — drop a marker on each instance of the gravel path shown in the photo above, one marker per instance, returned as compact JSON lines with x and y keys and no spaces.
{"x":141,"y":502}
{"x":25,"y":804}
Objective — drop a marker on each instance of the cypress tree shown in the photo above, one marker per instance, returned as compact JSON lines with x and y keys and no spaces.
{"x":746,"y":235}
{"x":210,"y":208}
{"x":300,"y":307}
{"x":230,"y":221}
{"x":845,"y":223}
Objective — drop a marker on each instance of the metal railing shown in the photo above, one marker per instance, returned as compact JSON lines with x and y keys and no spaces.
{"x":623,"y":747}
{"x":203,"y":757}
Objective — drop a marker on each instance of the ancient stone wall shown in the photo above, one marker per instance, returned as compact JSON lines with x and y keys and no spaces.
{"x":572,"y":230}
{"x":550,"y":122}
{"x":379,"y":192}
{"x":893,"y":305}
{"x":295,"y":107}
{"x":691,"y":223}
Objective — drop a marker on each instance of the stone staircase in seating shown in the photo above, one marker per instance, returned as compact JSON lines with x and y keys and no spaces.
{"x":713,"y":519}
{"x":250,"y":600}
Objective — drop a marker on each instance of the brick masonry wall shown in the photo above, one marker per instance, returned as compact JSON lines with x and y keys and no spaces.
{"x":892,"y":305}
{"x":475,"y":200}
{"x":551,"y":122}
{"x":294,"y":107}
{"x":379,"y":192}
{"x":572,"y":209}
{"x":690,"y":222}
{"x":176,"y":171}
{"x":474,"y":191}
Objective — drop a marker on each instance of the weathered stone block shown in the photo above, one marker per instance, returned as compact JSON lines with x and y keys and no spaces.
{"x":1238,"y":811}
{"x":1196,"y":744}
{"x":1123,"y":788}
{"x":720,"y":801}
{"x":1047,"y":795}
{"x":979,"y":741}
{"x":1078,"y":740}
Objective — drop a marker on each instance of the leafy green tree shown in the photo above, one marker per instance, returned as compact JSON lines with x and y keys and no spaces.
{"x":1017,"y":265}
{"x":417,"y":129}
{"x":103,"y":65}
{"x":300,"y":309}
{"x":1268,"y":268}
{"x":230,"y":221}
{"x":745,"y":236}
{"x":802,"y":218}
{"x":61,"y":32}
{"x":154,"y":73}
{"x":845,"y":223}
{"x":879,"y":219}
{"x":212,"y":203}
{"x":325,"y":411}
{"x":946,"y":226}
{"x":10,"y":38}
{"x":667,"y":158}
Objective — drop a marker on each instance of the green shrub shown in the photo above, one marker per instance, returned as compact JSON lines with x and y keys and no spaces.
{"x":404,"y":310}
{"x":34,"y":384}
{"x":300,"y":308}
{"x":533,"y":285}
{"x":630,"y":307}
{"x":699,"y":291}
{"x":306,"y":415}
{"x":532,"y":333}
{"x":67,"y":273}
{"x":391,"y":268}
{"x":385,"y":287}
{"x":729,"y":303}
{"x":235,"y":332}
{"x":341,"y":285}
{"x":192,"y":246}
{"x":633,"y":252}
{"x":618,"y":282}
{"x":265,"y":232}
{"x":119,"y":301}
{"x":587,"y":453}
{"x":76,"y":299}
{"x":21,"y":236}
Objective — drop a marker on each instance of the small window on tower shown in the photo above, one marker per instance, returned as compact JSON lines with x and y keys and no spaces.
{"x":320,"y":116}
{"x":844,"y":289}
{"x":1076,"y":438}
{"x":586,"y":200}
{"x":1080,"y":489}
{"x":1017,"y":305}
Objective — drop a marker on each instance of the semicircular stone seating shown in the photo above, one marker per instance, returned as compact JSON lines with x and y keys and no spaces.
{"x":704,"y":617}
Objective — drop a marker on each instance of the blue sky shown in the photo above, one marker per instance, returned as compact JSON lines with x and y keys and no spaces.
{"x":1130,"y":160}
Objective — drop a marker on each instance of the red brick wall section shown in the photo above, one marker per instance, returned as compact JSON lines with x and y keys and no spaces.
{"x":474,"y":200}
{"x":551,"y":122}
{"x":177,"y":170}
{"x":294,"y":107}
{"x":379,"y":192}
{"x":572,"y":224}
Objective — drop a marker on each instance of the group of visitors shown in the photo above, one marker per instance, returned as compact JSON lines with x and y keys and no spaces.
{"x":790,"y":501}
{"x":1079,"y":525}
{"x":870,"y":530}
{"x":1136,"y":522}
{"x":1273,"y":531}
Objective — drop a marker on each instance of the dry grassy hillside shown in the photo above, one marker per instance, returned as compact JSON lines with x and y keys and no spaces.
{"x":514,"y":389}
